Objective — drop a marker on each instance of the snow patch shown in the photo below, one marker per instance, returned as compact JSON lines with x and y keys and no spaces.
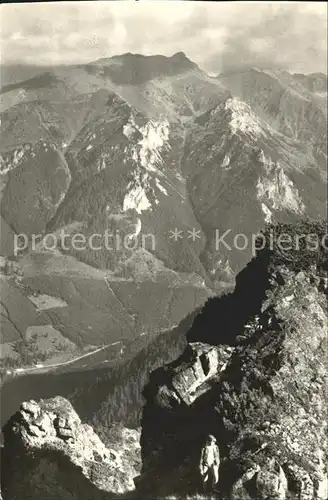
{"x":136,"y":229}
{"x":115,"y":216}
{"x":155,"y":134}
{"x":102,"y":164}
{"x":267,"y":213}
{"x":179,"y":177}
{"x":147,"y":154}
{"x":22,"y":94}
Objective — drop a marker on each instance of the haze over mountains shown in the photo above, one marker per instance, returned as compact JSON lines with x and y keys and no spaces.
{"x":143,"y":145}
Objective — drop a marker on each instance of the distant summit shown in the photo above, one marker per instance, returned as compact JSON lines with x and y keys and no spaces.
{"x":133,"y":69}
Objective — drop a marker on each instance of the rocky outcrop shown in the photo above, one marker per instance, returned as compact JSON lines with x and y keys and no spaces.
{"x":253,"y":375}
{"x":49,"y":453}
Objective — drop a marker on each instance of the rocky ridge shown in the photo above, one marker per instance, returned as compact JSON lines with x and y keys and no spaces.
{"x":138,"y":146}
{"x":253,"y":375}
{"x":49,"y":453}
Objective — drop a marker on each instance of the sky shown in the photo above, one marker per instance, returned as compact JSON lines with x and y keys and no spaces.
{"x":217,"y":36}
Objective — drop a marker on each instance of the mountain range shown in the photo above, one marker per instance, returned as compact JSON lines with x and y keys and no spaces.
{"x":142,"y":145}
{"x":249,"y":368}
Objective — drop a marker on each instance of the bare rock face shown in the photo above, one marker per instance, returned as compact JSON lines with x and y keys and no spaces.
{"x":50,"y":453}
{"x":190,"y":377}
{"x":253,"y":375}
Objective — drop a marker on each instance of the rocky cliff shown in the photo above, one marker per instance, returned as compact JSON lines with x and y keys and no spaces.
{"x":50,"y":454}
{"x":253,"y":374}
{"x":135,"y":147}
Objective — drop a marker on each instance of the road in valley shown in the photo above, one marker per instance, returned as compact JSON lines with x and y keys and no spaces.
{"x":40,"y":367}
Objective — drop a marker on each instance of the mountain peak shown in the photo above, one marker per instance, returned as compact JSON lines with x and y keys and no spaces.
{"x":55,"y":440}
